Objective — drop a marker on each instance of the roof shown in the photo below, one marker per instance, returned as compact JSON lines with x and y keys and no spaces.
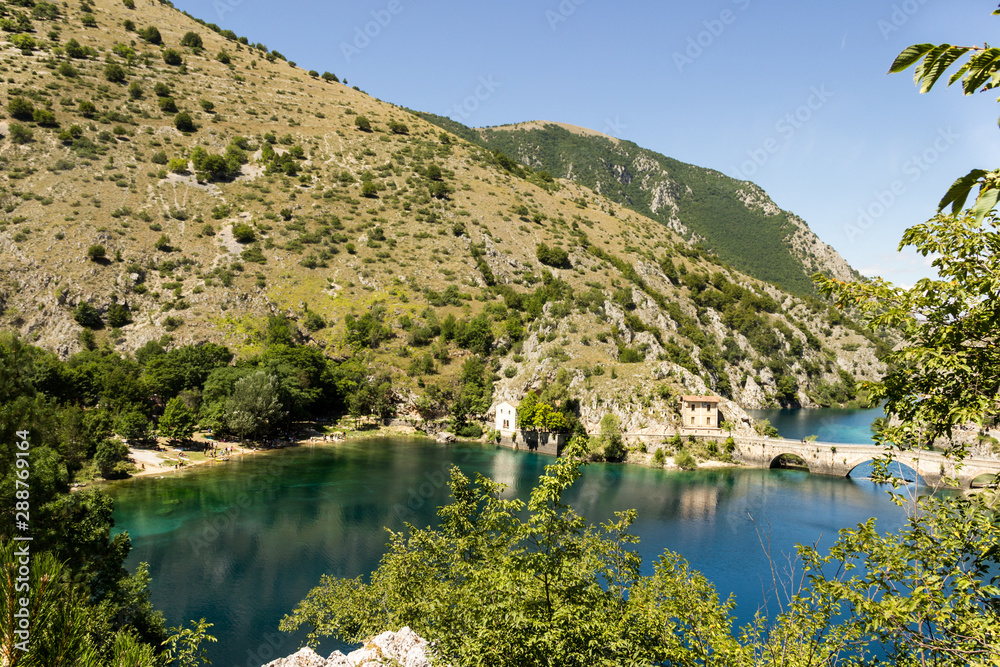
{"x":703,"y":399}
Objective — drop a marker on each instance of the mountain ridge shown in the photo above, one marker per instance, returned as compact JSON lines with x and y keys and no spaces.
{"x":660,"y":187}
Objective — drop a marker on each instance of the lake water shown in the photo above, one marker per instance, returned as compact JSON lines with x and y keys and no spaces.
{"x":828,"y":424}
{"x":242,"y":542}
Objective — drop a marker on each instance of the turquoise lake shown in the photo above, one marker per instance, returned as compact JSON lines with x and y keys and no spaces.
{"x":828,"y":424}
{"x":241,"y":543}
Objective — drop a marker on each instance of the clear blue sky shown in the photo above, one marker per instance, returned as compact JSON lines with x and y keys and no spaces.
{"x":800,"y":86}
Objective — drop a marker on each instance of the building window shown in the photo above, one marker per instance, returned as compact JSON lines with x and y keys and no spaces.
{"x":692,"y":421}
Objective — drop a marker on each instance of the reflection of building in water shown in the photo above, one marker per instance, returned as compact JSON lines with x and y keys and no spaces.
{"x":506,"y":468}
{"x":699,"y":502}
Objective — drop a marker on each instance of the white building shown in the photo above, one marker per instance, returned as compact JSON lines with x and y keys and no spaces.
{"x":506,"y":420}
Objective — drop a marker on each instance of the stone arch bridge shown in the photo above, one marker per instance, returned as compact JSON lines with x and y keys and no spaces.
{"x":839,"y":459}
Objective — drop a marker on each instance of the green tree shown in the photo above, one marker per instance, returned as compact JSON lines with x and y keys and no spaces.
{"x":114,"y":73}
{"x":87,"y":316}
{"x":491,"y":587}
{"x":363,"y":124}
{"x":133,"y":426}
{"x":172,"y":57}
{"x":178,"y":420}
{"x":254,"y":409}
{"x":111,"y":458}
{"x":191,"y":39}
{"x":151,"y":34}
{"x":96,"y":253}
{"x":184,"y":122}
{"x":20,"y":108}
{"x":927,"y":595}
{"x":185,"y":644}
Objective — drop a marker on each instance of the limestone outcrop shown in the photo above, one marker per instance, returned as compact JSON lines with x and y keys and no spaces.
{"x":402,"y":649}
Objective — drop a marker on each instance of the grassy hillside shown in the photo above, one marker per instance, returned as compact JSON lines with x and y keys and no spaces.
{"x":733,"y":219}
{"x":164,"y":180}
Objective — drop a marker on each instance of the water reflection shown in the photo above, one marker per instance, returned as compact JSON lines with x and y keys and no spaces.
{"x":242,"y":543}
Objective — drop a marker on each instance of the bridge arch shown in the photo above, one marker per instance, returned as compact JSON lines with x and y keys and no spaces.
{"x":897,"y":469}
{"x":789,"y":460}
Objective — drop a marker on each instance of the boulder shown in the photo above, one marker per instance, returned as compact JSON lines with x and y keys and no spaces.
{"x":401,"y":649}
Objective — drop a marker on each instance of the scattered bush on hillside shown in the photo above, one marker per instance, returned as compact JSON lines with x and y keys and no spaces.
{"x":172,"y":57}
{"x":191,"y":39}
{"x":20,"y":108}
{"x":73,"y":49}
{"x":363,"y":124}
{"x":554,"y":257}
{"x":96,"y":253}
{"x":184,"y":122}
{"x":20,"y":134}
{"x":151,"y":35}
{"x":243,"y":233}
{"x":114,"y":73}
{"x":45,"y":118}
{"x":87,"y":316}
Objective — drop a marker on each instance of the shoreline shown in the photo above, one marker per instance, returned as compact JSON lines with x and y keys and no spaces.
{"x":155,"y":465}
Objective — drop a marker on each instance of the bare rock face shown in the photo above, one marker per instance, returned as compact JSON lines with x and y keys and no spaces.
{"x":402,"y":649}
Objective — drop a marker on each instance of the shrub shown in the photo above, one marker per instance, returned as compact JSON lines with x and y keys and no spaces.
{"x":159,"y":157}
{"x":163,"y":243}
{"x":24,"y":42}
{"x":369,"y":189}
{"x":329,"y":76}
{"x":88,"y":21}
{"x":45,"y":118}
{"x":314,"y":322}
{"x":96,"y":252}
{"x":87,"y":316}
{"x":67,"y":70}
{"x":20,"y":108}
{"x":114,"y":73}
{"x":73,"y":49}
{"x":172,"y":57}
{"x":398,"y":128}
{"x":685,"y":461}
{"x":161,"y":89}
{"x":130,"y":4}
{"x":178,"y":165}
{"x":135,"y":90}
{"x":20,"y":134}
{"x":243,"y":232}
{"x":87,"y":109}
{"x":207,"y":105}
{"x":555,"y":257}
{"x":191,"y":39}
{"x":167,"y":104}
{"x":363,"y":124}
{"x":223,"y":57}
{"x":184,"y":122}
{"x":151,"y":35}
{"x":129,"y":25}
{"x":118,"y":315}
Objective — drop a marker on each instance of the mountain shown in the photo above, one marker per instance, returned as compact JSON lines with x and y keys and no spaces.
{"x":735,"y":220}
{"x":162,"y":179}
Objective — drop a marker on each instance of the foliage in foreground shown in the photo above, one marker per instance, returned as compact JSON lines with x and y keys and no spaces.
{"x":490,"y":587}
